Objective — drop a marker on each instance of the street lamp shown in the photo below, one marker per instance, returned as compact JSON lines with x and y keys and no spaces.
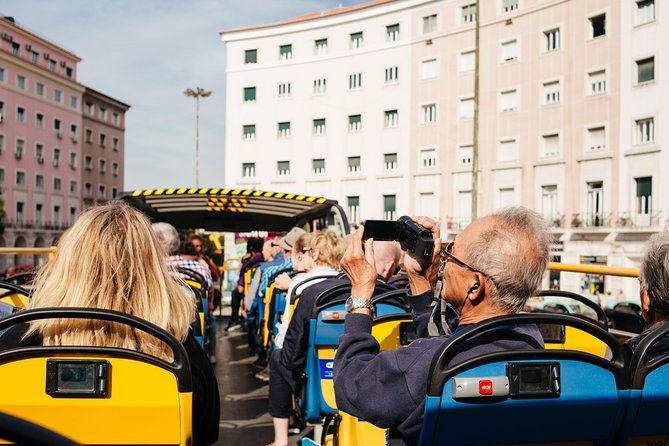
{"x":197,"y":93}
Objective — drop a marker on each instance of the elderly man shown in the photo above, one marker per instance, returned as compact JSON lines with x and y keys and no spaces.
{"x":491,"y":268}
{"x":654,"y":289}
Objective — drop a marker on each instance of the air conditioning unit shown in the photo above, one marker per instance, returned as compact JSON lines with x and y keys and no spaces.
{"x":47,"y":56}
{"x":7,"y":36}
{"x":56,"y":162}
{"x":28,"y":47}
{"x":63,"y":63}
{"x":59,"y":135}
{"x":74,"y":139}
{"x":18,"y":154}
{"x":40,"y":159}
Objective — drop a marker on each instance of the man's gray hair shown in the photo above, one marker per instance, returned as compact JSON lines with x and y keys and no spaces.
{"x":654,"y":271}
{"x":514,"y":254}
{"x":167,"y":236}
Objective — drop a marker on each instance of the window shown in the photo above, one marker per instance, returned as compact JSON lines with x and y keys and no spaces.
{"x":645,"y":11}
{"x":39,"y":181}
{"x":73,"y":160}
{"x":40,"y":89}
{"x":645,"y":130}
{"x":645,"y":69}
{"x":20,"y":149}
{"x":115,"y":168}
{"x":74,"y":102}
{"x":21,"y":82}
{"x":2,"y":175}
{"x":320,"y":47}
{"x":551,"y":92}
{"x":73,"y":132}
{"x":88,"y":190}
{"x":38,"y":214}
{"x":427,"y":205}
{"x":429,"y":69}
{"x":73,"y":211}
{"x":39,"y":120}
{"x":508,"y":101}
{"x":644,"y":195}
{"x":552,"y":39}
{"x":550,"y":145}
{"x":249,"y":132}
{"x":390,"y":118}
{"x":508,"y":151}
{"x":354,"y":81}
{"x":392,"y":75}
{"x":102,"y":166}
{"x":389,"y":207}
{"x":467,"y":61}
{"x":39,"y":153}
{"x":103,"y":140}
{"x":68,"y":71}
{"x":466,"y":110}
{"x":250,"y":56}
{"x":20,"y":178}
{"x":390,"y":161}
{"x":468,"y":14}
{"x":16,"y":48}
{"x":249,"y":94}
{"x":283,"y":168}
{"x":2,"y":74}
{"x":393,"y":32}
{"x":56,"y":157}
{"x":320,"y":86}
{"x":428,"y":158}
{"x":509,"y":50}
{"x":283,"y":129}
{"x":354,"y":164}
{"x":595,"y":204}
{"x":89,"y":136}
{"x":356,"y":40}
{"x":19,"y":212}
{"x":57,"y":127}
{"x":509,"y":5}
{"x":58,"y":96}
{"x":596,"y":139}
{"x":102,"y":113}
{"x":116,"y":118}
{"x":115,"y":142}
{"x":102,"y":192}
{"x":549,"y":203}
{"x":57,"y":184}
{"x":465,"y":154}
{"x":597,"y":82}
{"x":284,"y":90}
{"x":2,"y":143}
{"x":597,"y":26}
{"x":354,"y":123}
{"x":353,"y":209}
{"x":286,"y":52}
{"x":20,"y":114}
{"x":89,"y":109}
{"x":430,"y":24}
{"x":464,"y":208}
{"x":73,"y":186}
{"x":52,"y":65}
{"x":318,"y":166}
{"x":506,"y":197}
{"x":248,"y":170}
{"x":428,"y":113}
{"x":319,"y":126}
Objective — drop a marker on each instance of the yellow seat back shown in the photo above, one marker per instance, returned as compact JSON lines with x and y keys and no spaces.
{"x":267,"y":301}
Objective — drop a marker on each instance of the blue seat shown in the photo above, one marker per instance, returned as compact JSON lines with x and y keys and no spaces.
{"x":526,"y":397}
{"x":646,"y":421}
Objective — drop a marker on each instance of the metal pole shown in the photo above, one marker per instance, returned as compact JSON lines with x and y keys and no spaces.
{"x":475,"y":142}
{"x":197,"y":141}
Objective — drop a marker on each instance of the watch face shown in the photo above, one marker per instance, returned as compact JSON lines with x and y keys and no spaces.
{"x":349,"y":304}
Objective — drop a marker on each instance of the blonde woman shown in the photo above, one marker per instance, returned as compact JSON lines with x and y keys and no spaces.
{"x":111,"y":259}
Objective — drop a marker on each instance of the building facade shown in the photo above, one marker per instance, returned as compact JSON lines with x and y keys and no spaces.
{"x":570,"y":106}
{"x":40,"y":140}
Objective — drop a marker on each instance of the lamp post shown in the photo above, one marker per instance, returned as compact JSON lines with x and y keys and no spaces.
{"x":197,"y":93}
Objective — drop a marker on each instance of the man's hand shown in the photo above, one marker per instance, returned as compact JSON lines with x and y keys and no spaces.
{"x":282,"y":282}
{"x":240,"y":289}
{"x":417,"y":269}
{"x":358,"y":263}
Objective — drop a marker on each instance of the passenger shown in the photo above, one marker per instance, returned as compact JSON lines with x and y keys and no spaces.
{"x":187,"y":257}
{"x":491,"y":269}
{"x":287,"y":363}
{"x":654,"y":290}
{"x":250,"y":260}
{"x":111,"y":259}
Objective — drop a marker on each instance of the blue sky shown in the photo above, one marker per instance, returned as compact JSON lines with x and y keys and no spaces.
{"x":146,"y":53}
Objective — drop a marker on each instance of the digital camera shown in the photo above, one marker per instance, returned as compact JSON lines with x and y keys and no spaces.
{"x":412,"y":237}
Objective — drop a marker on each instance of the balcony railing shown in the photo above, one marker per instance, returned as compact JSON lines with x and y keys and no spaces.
{"x":33,"y":224}
{"x":634,"y":220}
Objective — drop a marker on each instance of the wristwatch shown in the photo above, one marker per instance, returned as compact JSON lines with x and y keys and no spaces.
{"x":355,"y":302}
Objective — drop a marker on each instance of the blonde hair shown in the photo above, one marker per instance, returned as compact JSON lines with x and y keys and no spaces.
{"x":111,"y":259}
{"x":329,"y":248}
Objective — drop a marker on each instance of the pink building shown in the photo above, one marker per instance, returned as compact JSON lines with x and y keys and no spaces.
{"x":40,"y":139}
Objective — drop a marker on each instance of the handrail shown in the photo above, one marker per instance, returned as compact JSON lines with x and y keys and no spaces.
{"x":27,"y":251}
{"x":594,"y":269}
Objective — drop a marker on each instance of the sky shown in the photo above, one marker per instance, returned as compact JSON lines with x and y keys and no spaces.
{"x":146,"y":53}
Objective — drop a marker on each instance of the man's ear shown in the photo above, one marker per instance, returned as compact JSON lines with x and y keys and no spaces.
{"x":646,"y":311}
{"x":476,"y":290}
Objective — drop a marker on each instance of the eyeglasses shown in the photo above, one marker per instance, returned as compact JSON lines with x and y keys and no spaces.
{"x":448,"y":254}
{"x":305,"y":250}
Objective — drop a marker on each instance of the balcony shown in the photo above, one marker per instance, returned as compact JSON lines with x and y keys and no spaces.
{"x":632,"y":221}
{"x":34,"y":224}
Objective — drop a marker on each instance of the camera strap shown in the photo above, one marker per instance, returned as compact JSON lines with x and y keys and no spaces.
{"x":432,"y":328}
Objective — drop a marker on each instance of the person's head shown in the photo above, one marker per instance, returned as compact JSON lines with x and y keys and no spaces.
{"x":326,"y":249}
{"x":197,"y":242}
{"x":167,"y":236}
{"x":186,"y":247}
{"x":256,"y":244}
{"x":387,"y":257}
{"x":301,"y":261}
{"x":496,"y":263}
{"x":654,"y":278}
{"x":110,"y":258}
{"x":287,"y":241}
{"x":269,"y":250}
